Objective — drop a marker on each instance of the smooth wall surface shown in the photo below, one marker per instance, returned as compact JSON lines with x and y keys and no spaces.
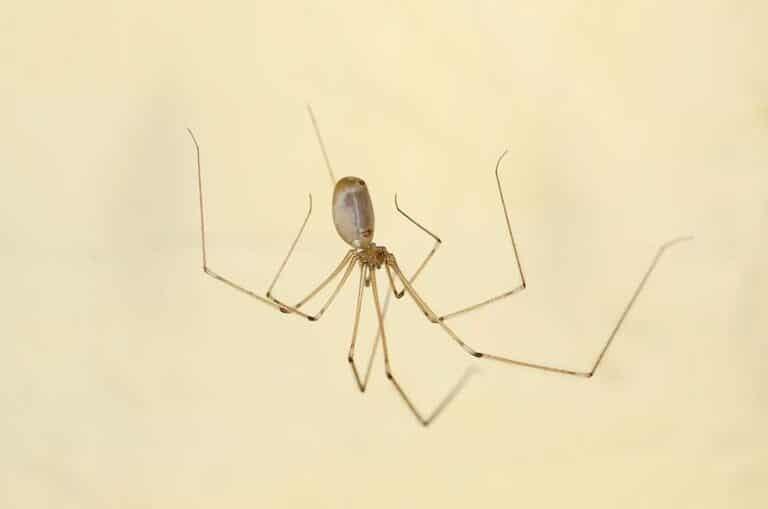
{"x":129,"y":379}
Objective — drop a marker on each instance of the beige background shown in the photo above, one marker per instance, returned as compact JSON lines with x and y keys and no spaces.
{"x":128,"y":379}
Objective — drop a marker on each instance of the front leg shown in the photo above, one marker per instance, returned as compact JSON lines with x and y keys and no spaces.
{"x":206,"y":269}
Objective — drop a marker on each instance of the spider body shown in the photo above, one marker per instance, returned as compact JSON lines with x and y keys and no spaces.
{"x":353,"y":212}
{"x":353,"y":218}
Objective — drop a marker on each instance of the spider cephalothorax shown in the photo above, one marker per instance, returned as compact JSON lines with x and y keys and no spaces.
{"x":374,"y":256}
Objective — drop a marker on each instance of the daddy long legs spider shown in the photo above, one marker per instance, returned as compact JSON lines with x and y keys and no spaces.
{"x":353,"y":217}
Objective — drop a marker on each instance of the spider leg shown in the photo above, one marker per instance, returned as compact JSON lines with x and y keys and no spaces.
{"x":425,"y":421}
{"x":348,"y":261}
{"x":384,"y":310}
{"x":206,"y":269}
{"x":268,"y":299}
{"x":322,"y":145}
{"x":508,"y":293}
{"x":431,"y":253}
{"x":338,"y":269}
{"x":290,"y":250}
{"x":361,"y":383}
{"x":392,"y":288}
{"x":423,"y":306}
{"x":587,"y":374}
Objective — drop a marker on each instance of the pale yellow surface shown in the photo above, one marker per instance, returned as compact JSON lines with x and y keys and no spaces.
{"x":129,"y":379}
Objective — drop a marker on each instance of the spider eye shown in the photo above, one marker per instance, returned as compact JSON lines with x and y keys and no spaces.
{"x":361,"y":182}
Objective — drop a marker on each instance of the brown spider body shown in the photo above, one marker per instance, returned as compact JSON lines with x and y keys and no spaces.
{"x":353,"y":212}
{"x":354,"y":220}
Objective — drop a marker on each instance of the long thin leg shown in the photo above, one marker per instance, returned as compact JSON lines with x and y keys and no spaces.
{"x":326,"y":281}
{"x":514,"y":248}
{"x":431,"y":253}
{"x":392,"y":287}
{"x":372,"y":356}
{"x":207,"y":270}
{"x":361,"y":383}
{"x":420,"y":302}
{"x":285,"y":308}
{"x":322,"y":145}
{"x":392,"y":290}
{"x":322,"y":285}
{"x":290,"y":251}
{"x":376,"y":340}
{"x":435,"y":246}
{"x":431,"y":315}
{"x":425,"y":421}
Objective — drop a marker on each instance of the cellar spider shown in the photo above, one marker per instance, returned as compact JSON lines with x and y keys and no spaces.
{"x":354,"y":220}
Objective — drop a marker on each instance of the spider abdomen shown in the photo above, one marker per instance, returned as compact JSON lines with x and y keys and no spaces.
{"x":353,"y":212}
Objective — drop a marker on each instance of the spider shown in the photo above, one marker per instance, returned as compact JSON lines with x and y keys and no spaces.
{"x":353,"y":218}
